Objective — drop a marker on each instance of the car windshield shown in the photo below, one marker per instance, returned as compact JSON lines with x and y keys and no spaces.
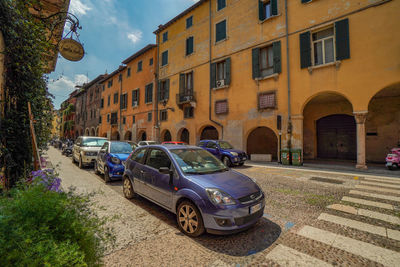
{"x":121,"y":147}
{"x":197,"y":161}
{"x":225,"y":145}
{"x":95,"y":142}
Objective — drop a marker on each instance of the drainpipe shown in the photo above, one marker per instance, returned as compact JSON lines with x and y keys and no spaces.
{"x":157,"y":122}
{"x":210,"y":100}
{"x":289,"y":129}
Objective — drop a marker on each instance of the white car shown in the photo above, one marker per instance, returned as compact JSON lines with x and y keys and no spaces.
{"x":147,"y":143}
{"x":85,"y":149}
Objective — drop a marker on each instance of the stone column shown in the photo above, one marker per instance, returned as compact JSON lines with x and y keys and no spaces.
{"x":297,"y":131}
{"x":360,"y":117}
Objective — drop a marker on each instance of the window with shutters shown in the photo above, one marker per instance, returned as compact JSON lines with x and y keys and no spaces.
{"x":151,"y":62}
{"x":266,"y":61}
{"x":120,"y":78}
{"x":102,"y":103}
{"x":116,"y":98}
{"x":148,"y":93}
{"x":267,"y":9}
{"x":267,"y":100}
{"x":189,"y":82}
{"x":124,"y":120}
{"x":220,"y":74}
{"x":221,"y":107}
{"x":109,"y":84}
{"x":129,"y":72}
{"x":108,"y":100}
{"x":135,"y":98}
{"x":164,"y":58}
{"x":163,"y":93}
{"x":163,"y":115}
{"x":149,"y":116}
{"x":220,"y":31}
{"x":133,"y":119}
{"x":114,"y":118}
{"x":124,"y":101}
{"x":100,"y":119}
{"x":165,"y":37}
{"x":189,"y":45}
{"x":221,"y":4}
{"x":139,"y":66}
{"x":323,"y":46}
{"x":188,"y":112}
{"x":189,"y":22}
{"x":108,"y":117}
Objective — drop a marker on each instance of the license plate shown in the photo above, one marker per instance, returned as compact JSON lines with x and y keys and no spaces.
{"x":255,"y":208}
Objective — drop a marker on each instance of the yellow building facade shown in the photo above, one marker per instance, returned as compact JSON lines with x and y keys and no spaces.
{"x":320,"y":76}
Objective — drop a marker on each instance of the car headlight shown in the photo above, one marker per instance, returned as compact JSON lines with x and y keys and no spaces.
{"x":234,"y":154}
{"x":219,"y":197}
{"x":115,"y":160}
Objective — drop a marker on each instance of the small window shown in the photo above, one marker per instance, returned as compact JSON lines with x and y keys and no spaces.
{"x":165,"y":37}
{"x":135,"y":98}
{"x":100,"y":119}
{"x":221,"y":4}
{"x":114,"y":118}
{"x":109,"y":84}
{"x":124,"y":101}
{"x":120,"y":77}
{"x":323,"y":46}
{"x":157,"y":159}
{"x":189,"y":45}
{"x":188,"y":112}
{"x":149,"y":93}
{"x":267,"y":100}
{"x":108,"y":117}
{"x":163,"y":115}
{"x":221,"y":107}
{"x":116,"y":98}
{"x":164,"y":58}
{"x":189,"y":82}
{"x":189,"y":22}
{"x":151,"y":62}
{"x":129,"y":72}
{"x":139,"y":66}
{"x":124,"y":120}
{"x":220,"y":31}
{"x":266,"y":9}
{"x":221,"y":70}
{"x":163,"y":90}
{"x":108,"y":100}
{"x":150,"y":116}
{"x":133,"y":119}
{"x":266,"y":61}
{"x":104,"y":87}
{"x":102,"y":103}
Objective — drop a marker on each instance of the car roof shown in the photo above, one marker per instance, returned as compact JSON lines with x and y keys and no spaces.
{"x":92,"y":137}
{"x":172,"y":146}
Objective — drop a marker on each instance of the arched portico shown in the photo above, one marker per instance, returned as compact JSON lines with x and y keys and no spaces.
{"x":166,"y":136}
{"x":128,"y":136}
{"x":262,"y":140}
{"x":183,"y":135}
{"x":209,"y":133}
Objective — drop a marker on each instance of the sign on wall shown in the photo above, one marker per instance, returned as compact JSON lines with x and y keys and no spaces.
{"x":71,"y":49}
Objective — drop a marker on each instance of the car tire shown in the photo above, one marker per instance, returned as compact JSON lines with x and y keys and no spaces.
{"x":189,"y":219}
{"x":227,"y":161}
{"x":129,"y":191}
{"x":241,"y":164}
{"x":96,"y":168}
{"x":106,"y":175}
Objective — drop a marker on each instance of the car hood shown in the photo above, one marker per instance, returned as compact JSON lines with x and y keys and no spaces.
{"x":91,"y":148}
{"x":235,"y":184}
{"x":121,"y":156}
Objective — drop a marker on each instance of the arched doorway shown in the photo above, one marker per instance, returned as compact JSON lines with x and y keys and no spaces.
{"x":329,"y":129}
{"x":87,"y":132}
{"x":128,"y":136}
{"x":262,"y":140}
{"x":337,"y":137}
{"x":166,"y":136}
{"x":115,"y":136}
{"x":209,"y":133}
{"x":382,"y":125}
{"x":93,"y":132}
{"x":184,"y":136}
{"x":142,"y":136}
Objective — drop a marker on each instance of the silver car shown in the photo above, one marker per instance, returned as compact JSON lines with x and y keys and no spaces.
{"x":147,"y":143}
{"x":85,"y":149}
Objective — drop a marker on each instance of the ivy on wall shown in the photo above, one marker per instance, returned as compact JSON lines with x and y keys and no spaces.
{"x":26,"y":47}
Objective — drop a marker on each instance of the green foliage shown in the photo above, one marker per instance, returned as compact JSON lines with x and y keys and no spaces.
{"x":39,"y":227}
{"x":26,"y":47}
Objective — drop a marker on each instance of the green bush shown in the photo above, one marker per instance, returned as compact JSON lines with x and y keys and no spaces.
{"x":39,"y":227}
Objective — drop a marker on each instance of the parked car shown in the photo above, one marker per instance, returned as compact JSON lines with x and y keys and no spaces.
{"x":189,"y":181}
{"x":85,"y":150}
{"x":147,"y":143}
{"x":174,"y":143}
{"x":111,"y":158}
{"x":224,"y":151}
{"x":393,"y":159}
{"x":133,"y":144}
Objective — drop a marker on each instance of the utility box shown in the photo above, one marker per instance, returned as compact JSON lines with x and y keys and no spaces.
{"x":285,"y":156}
{"x":297,"y":159}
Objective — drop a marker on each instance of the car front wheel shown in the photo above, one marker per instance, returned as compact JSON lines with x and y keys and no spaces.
{"x":107,"y":178}
{"x":189,"y":219}
{"x":227,"y":161}
{"x":96,"y":168}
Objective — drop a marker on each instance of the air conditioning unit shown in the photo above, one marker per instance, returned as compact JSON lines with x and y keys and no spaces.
{"x":135,"y":103}
{"x":220,"y":83}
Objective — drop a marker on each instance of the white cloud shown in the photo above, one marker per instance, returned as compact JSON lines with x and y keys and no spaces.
{"x":76,"y":7}
{"x":135,"y":36}
{"x":65,"y":85}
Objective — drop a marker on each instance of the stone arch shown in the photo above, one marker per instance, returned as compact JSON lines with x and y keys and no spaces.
{"x":166,"y":136}
{"x":87,"y":132}
{"x":262,"y":140}
{"x":184,"y":135}
{"x":325,"y":94}
{"x":209,"y":132}
{"x":92,"y":132}
{"x":322,"y":126}
{"x":115,"y":136}
{"x":142,"y":136}
{"x":128,"y":136}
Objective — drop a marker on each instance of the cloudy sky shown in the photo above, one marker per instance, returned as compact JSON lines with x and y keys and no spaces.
{"x":112,"y":30}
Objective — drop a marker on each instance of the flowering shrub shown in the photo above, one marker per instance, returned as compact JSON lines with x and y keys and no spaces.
{"x":46,"y":177}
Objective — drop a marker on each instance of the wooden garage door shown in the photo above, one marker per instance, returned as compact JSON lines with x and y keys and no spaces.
{"x":336,"y":137}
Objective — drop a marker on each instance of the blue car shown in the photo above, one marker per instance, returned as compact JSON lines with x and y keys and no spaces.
{"x":224,"y":151}
{"x":111,"y":158}
{"x":189,"y":181}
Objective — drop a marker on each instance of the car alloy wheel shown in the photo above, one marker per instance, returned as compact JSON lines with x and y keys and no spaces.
{"x":128,"y":188}
{"x":227,"y":162}
{"x":189,"y":219}
{"x":106,"y":175}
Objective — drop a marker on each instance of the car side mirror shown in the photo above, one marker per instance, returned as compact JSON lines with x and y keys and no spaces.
{"x":165,"y":170}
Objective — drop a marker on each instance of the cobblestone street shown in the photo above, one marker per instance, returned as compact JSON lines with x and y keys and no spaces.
{"x":311,"y":219}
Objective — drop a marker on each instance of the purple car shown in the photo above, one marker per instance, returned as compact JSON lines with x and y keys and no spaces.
{"x":189,"y":181}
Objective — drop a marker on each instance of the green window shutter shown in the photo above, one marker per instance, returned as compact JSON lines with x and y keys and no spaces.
{"x":138,"y":96}
{"x":274,"y":7}
{"x":213,"y":75}
{"x":342,"y":39}
{"x":146,"y":94}
{"x":261,"y":15}
{"x":228,"y":71}
{"x":166,"y":90}
{"x":276,"y":48}
{"x":151,"y":92}
{"x":191,"y":44}
{"x":159,"y":91}
{"x":181,"y":82}
{"x":305,"y":50}
{"x":256,"y":62}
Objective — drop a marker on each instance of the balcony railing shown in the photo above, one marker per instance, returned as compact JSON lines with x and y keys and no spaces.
{"x":185,"y":97}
